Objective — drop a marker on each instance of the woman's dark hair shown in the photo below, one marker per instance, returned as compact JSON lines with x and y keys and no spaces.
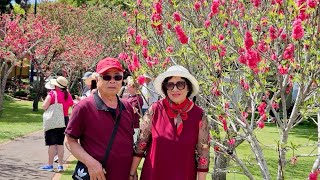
{"x":65,"y":92}
{"x":93,"y":84}
{"x":165,"y":81}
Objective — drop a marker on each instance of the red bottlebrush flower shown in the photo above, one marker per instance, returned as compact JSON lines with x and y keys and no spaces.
{"x":176,"y":17}
{"x":207,"y":23}
{"x":203,"y":161}
{"x":142,"y":145}
{"x":145,"y":42}
{"x":248,"y":41}
{"x":215,"y":7}
{"x":181,"y":35}
{"x":141,"y":79}
{"x":169,"y":49}
{"x":158,"y":7}
{"x":197,"y":5}
{"x":124,"y":14}
{"x":297,"y":30}
{"x":289,"y":52}
{"x":312,"y":3}
{"x":272,"y":33}
{"x":260,"y":124}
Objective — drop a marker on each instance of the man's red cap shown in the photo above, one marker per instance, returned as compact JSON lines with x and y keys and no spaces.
{"x":108,"y":63}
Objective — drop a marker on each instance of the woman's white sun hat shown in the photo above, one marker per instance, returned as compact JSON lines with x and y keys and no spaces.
{"x":48,"y":85}
{"x":176,"y":70}
{"x":61,"y":82}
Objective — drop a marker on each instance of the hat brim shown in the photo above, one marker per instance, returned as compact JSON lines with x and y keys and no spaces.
{"x":55,"y":83}
{"x":158,"y":81}
{"x":104,"y":70}
{"x":48,"y":85}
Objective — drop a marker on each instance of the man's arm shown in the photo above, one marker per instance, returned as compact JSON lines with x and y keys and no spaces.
{"x":94,"y":167}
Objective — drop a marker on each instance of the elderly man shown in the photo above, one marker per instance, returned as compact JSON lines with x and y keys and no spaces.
{"x":93,"y":123}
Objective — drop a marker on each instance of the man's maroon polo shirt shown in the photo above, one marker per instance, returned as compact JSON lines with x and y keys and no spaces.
{"x":92,"y":122}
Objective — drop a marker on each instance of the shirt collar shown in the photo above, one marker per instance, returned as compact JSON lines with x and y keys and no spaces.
{"x":102,"y":106}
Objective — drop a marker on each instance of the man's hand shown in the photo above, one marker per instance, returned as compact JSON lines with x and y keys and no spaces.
{"x":96,"y":171}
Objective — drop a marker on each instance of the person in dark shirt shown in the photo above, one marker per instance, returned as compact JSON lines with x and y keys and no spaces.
{"x":91,"y":124}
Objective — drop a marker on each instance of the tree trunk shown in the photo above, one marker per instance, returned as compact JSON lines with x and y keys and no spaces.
{"x":259,"y":156}
{"x":39,"y":93}
{"x":317,"y":161}
{"x":282,"y":155}
{"x":220,"y":166}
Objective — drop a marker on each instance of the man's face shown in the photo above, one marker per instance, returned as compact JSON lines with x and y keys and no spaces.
{"x":110,"y":82}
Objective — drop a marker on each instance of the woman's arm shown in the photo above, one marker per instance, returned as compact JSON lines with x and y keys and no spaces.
{"x":203,"y":147}
{"x":46,"y":102}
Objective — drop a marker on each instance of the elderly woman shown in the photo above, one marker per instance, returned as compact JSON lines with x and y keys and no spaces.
{"x":174,"y":133}
{"x":54,"y":138}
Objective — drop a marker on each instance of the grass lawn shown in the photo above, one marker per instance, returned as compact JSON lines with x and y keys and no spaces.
{"x":268,"y":137}
{"x":18,"y":119}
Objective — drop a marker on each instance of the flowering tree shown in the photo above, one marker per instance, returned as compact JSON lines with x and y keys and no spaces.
{"x":249,"y":57}
{"x":34,"y":38}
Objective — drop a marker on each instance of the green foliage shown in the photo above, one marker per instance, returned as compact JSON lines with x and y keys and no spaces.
{"x":18,"y":10}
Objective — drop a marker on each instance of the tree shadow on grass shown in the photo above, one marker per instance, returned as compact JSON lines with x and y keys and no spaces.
{"x":20,"y":112}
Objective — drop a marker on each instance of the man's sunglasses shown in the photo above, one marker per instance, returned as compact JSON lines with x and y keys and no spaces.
{"x":116,"y":77}
{"x":180,"y":85}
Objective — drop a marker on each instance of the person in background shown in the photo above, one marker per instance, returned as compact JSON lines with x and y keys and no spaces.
{"x":87,"y":81}
{"x":92,"y":122}
{"x":136,"y":102}
{"x":148,"y":93}
{"x":54,"y":138}
{"x":174,"y":132}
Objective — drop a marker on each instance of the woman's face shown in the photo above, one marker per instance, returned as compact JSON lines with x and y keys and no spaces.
{"x":177,"y":89}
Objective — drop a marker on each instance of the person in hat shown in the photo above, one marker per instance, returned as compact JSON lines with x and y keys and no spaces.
{"x":174,"y":133}
{"x":54,"y":138}
{"x":148,"y":93}
{"x":135,"y":100}
{"x":87,"y":77}
{"x":92,"y":122}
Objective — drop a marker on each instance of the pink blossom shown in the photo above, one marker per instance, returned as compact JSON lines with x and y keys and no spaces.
{"x":275,"y":105}
{"x":145,"y":42}
{"x":131,"y":31}
{"x":169,"y":49}
{"x":169,"y":26}
{"x":261,"y":108}
{"x":272,"y":33}
{"x":123,"y":56}
{"x":248,"y":41}
{"x":312,"y":3}
{"x":138,"y":2}
{"x":124,"y":13}
{"x":260,"y":124}
{"x":297,"y":30}
{"x":197,"y":5}
{"x":141,"y":79}
{"x":183,"y":38}
{"x":231,"y":141}
{"x":215,"y":7}
{"x":313,"y":175}
{"x":177,"y":16}
{"x":138,"y":39}
{"x":226,"y":105}
{"x":256,"y":3}
{"x":158,"y":7}
{"x":207,"y":23}
{"x":135,"y":12}
{"x":282,"y":69}
{"x":145,"y":52}
{"x":289,"y":52}
{"x":221,"y":37}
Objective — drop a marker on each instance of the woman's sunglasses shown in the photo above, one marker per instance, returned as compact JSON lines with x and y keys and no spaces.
{"x":180,"y":85}
{"x":116,"y":77}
